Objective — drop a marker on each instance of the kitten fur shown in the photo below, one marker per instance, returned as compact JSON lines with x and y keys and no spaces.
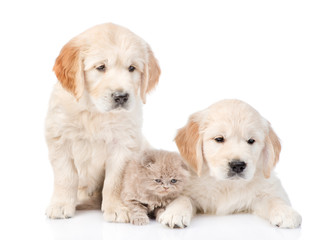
{"x":147,"y":187}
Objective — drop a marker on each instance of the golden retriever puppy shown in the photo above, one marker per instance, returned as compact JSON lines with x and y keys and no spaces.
{"x":94,"y":121}
{"x":232,"y":150}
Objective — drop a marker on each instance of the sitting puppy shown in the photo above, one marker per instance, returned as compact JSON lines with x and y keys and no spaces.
{"x":94,"y":119}
{"x":232,"y":150}
{"x":151,"y":183}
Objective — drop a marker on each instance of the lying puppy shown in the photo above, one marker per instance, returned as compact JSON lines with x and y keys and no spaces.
{"x":232,"y":150}
{"x":94,"y":119}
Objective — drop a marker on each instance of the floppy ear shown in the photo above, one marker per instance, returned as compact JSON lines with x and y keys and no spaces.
{"x":68,"y":69}
{"x":150,"y":76}
{"x":190,"y":145}
{"x":271,"y":152}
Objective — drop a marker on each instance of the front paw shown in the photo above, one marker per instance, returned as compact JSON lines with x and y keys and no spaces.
{"x":173,"y":218}
{"x":285,"y":217}
{"x":60,"y":211}
{"x":116,"y":213}
{"x":141,"y":219}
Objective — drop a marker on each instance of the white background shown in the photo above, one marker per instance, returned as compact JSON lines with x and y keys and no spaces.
{"x":264,"y":52}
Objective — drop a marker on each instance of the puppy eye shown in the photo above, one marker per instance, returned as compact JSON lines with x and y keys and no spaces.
{"x":158,"y":180}
{"x":251,"y":141}
{"x":131,"y":68}
{"x":101,"y":68}
{"x":219,"y":139}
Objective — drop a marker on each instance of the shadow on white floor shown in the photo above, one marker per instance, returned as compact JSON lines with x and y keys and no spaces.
{"x":90,"y":225}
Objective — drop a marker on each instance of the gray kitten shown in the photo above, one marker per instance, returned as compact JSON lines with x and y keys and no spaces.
{"x":151,"y":183}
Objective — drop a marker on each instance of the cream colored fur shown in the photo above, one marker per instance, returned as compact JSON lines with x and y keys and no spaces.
{"x":89,"y":140}
{"x":211,"y":189}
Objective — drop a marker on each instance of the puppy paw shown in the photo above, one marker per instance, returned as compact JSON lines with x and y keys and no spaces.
{"x":139,"y":219}
{"x":175,"y":219}
{"x":116,"y":214}
{"x":60,"y":211}
{"x":285,"y":217}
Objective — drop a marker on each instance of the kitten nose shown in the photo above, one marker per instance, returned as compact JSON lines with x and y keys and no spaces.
{"x":165,"y":188}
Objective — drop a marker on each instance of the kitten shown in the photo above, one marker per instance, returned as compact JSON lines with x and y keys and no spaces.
{"x":151,"y":183}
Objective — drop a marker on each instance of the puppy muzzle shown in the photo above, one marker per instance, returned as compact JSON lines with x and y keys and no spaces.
{"x":120,"y":100}
{"x":236,"y":168}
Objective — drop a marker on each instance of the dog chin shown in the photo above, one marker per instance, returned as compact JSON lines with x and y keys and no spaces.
{"x":227,"y":176}
{"x":114,"y":108}
{"x":239,"y":177}
{"x":119,"y":108}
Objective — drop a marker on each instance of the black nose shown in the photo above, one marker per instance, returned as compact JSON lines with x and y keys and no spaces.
{"x":237,"y":166}
{"x":120,"y":97}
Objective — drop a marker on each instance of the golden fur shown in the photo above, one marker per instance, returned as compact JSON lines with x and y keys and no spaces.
{"x":213,"y":139}
{"x":89,"y":136}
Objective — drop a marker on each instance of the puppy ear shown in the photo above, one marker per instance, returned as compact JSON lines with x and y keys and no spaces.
{"x":270,"y":152}
{"x":190,"y":145}
{"x":150,"y":76}
{"x":68,"y":69}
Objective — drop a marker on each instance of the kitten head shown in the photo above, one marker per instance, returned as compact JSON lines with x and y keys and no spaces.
{"x":164,"y":172}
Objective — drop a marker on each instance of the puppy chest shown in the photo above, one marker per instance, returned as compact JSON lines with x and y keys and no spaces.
{"x":218,"y":199}
{"x":85,"y":153}
{"x":114,"y":130}
{"x":234,"y":202}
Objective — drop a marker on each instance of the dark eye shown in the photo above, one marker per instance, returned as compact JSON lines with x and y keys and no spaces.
{"x":131,"y":68}
{"x":173,"y":180}
{"x":219,"y":139}
{"x":251,"y":141}
{"x":101,"y":68}
{"x":158,"y":180}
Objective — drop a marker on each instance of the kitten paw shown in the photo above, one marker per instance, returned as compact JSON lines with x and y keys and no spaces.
{"x":139,"y":220}
{"x":285,"y":217}
{"x":60,"y":211}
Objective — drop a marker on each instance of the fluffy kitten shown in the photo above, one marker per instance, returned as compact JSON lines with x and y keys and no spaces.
{"x":151,"y":183}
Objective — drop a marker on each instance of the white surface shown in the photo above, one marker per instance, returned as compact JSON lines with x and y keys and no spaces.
{"x":203,"y":227}
{"x":263,"y":52}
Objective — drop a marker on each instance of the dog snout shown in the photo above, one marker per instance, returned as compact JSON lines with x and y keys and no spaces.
{"x":120,"y":97}
{"x":237,"y":166}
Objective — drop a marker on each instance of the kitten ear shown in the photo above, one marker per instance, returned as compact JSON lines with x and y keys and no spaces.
{"x":184,"y":166}
{"x":178,"y":158}
{"x":148,"y":159}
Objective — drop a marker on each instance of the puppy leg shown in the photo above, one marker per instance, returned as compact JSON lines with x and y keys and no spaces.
{"x":178,"y":213}
{"x":64,"y":195}
{"x":278,"y":212}
{"x":112,"y":206}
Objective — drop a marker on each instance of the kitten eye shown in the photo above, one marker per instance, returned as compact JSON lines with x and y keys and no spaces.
{"x":101,"y":68}
{"x":219,"y":139}
{"x":173,"y":180}
{"x":251,"y":141}
{"x":158,"y":180}
{"x":131,"y":68}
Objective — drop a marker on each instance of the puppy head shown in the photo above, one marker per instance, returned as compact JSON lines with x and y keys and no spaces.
{"x":232,"y":139}
{"x":109,"y":64}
